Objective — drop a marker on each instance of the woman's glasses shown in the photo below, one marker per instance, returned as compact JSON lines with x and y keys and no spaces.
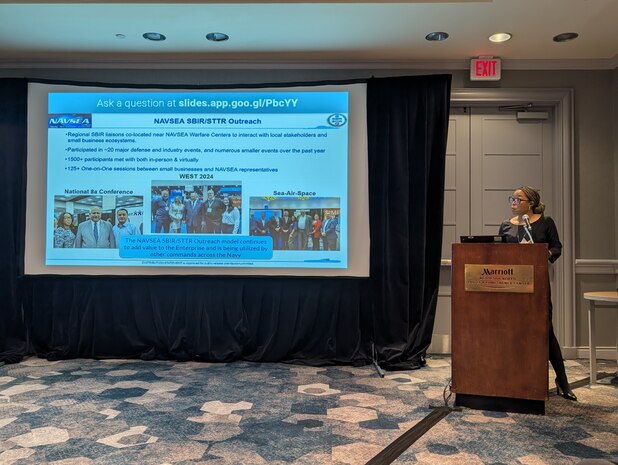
{"x":516,"y":200}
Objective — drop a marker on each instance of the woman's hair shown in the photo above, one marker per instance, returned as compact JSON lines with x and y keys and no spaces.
{"x":230,"y":205}
{"x":534,"y":197}
{"x":179,"y":199}
{"x":61,"y":220}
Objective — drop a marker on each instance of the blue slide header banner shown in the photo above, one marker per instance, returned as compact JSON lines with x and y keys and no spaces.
{"x":199,"y":102}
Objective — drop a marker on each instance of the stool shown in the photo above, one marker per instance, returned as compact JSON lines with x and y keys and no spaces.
{"x":598,"y":299}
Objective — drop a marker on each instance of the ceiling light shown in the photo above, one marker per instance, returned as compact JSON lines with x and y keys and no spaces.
{"x":120,"y":36}
{"x":500,"y":37}
{"x":436,"y":36}
{"x":156,"y":36}
{"x":217,"y":36}
{"x":566,"y":36}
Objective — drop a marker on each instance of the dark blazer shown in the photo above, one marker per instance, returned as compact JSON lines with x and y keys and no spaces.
{"x":285,"y":224}
{"x":273,"y":224}
{"x":194,"y":215}
{"x":259,"y":228}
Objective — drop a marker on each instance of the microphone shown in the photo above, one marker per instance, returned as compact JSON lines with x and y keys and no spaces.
{"x":527,"y":227}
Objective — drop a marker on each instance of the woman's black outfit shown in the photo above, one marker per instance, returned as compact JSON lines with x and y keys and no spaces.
{"x":543,"y":231}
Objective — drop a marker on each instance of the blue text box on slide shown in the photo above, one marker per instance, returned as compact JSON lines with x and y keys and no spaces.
{"x":196,"y":247}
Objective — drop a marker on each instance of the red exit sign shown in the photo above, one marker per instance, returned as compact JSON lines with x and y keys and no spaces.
{"x":485,"y":69}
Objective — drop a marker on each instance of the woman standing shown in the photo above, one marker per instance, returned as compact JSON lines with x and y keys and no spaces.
{"x":293,"y":233}
{"x":230,"y":220}
{"x":316,"y":233}
{"x":177,"y":213}
{"x":526,"y":205}
{"x":63,"y":235}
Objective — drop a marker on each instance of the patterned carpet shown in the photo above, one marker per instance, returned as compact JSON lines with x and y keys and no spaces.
{"x":121,"y":412}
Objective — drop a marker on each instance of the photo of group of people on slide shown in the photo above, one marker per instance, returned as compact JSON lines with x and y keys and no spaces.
{"x":208,"y":209}
{"x":100,"y":221}
{"x":96,"y":221}
{"x":297,"y":227}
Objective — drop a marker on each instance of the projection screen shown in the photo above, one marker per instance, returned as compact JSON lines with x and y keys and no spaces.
{"x":244,"y":181}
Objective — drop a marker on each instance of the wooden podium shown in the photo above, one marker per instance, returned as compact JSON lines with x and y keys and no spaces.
{"x":500,"y":326}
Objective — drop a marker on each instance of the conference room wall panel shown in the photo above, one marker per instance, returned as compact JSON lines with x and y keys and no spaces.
{"x":451,"y":169}
{"x":605,"y":316}
{"x":520,"y":166}
{"x":594,"y":180}
{"x":501,"y":133}
{"x":614,"y":131}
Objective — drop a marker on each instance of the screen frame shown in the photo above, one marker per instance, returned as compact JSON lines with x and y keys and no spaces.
{"x":36,"y":219}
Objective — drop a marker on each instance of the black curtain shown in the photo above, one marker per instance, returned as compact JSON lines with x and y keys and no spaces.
{"x":302,"y":320}
{"x":311,"y":321}
{"x":407,"y":125}
{"x":13,"y":94}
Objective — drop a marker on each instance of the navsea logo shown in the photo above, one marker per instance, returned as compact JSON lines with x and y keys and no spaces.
{"x":70,"y":121}
{"x":337,"y":120}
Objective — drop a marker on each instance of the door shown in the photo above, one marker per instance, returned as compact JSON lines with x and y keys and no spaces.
{"x":506,"y":153}
{"x":489,"y":153}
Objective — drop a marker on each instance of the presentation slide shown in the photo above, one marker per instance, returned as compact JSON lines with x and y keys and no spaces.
{"x":199,"y":179}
